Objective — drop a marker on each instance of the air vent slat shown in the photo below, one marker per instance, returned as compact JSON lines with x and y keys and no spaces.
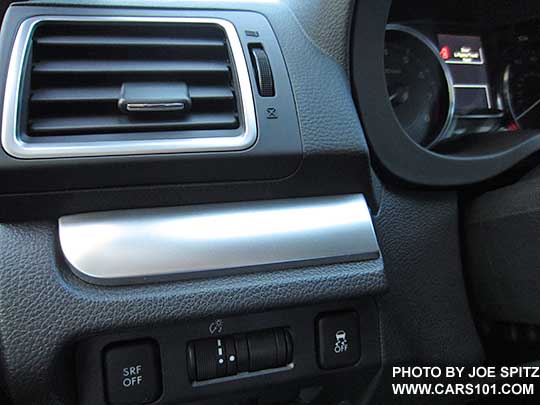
{"x":115,"y":41}
{"x":211,"y":93}
{"x":111,"y":94}
{"x":120,"y":123}
{"x":111,"y":66}
{"x":78,"y":72}
{"x":97,"y":94}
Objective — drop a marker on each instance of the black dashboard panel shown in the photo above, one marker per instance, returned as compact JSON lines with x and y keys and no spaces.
{"x":300,"y":323}
{"x":277,"y":133}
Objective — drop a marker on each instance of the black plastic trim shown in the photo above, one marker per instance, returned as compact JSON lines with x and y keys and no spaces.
{"x":173,"y":343}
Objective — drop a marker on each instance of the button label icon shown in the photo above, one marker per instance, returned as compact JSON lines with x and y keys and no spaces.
{"x":271,"y":113}
{"x":132,"y":372}
{"x":216,"y":327}
{"x":132,"y":376}
{"x":341,"y":344}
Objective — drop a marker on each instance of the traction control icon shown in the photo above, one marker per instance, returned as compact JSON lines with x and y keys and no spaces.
{"x":341,"y":345}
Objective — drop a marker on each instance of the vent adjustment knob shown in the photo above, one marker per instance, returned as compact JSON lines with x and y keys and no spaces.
{"x":263,"y":71}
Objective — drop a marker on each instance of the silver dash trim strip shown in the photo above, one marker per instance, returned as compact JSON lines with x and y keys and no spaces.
{"x":146,"y":245}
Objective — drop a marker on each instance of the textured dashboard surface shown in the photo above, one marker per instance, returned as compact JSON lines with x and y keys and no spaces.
{"x":425,"y":316}
{"x":502,"y":232}
{"x":326,"y":23}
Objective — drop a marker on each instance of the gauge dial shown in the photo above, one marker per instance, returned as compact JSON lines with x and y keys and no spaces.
{"x":522,"y":88}
{"x":418,"y":84}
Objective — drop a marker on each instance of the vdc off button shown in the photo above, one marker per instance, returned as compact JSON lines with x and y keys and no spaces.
{"x":338,"y":337}
{"x":132,"y":373}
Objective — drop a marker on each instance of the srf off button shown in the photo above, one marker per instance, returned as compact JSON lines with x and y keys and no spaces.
{"x":132,"y":373}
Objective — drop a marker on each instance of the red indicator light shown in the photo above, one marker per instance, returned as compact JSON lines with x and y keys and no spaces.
{"x":445,"y":52}
{"x":514,"y":126}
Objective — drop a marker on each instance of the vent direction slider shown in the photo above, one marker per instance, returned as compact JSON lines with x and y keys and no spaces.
{"x":154,"y":97}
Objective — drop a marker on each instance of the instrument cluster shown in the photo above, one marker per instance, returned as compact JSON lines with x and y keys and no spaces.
{"x":445,"y":82}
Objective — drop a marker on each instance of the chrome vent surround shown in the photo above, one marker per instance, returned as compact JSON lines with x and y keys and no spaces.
{"x":66,"y":73}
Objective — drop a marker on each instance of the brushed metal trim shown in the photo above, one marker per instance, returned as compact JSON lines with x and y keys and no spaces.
{"x":155,"y":106}
{"x":15,"y":146}
{"x":145,"y":245}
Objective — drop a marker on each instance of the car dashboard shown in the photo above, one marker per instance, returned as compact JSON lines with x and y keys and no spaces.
{"x":266,"y":202}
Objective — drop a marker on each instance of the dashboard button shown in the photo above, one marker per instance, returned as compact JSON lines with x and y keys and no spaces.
{"x":338,"y":340}
{"x":132,"y":373}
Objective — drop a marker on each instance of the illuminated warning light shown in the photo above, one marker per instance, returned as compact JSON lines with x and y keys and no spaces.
{"x":513,"y":127}
{"x":445,"y":52}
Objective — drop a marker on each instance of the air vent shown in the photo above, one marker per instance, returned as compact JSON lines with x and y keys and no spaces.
{"x":78,"y":71}
{"x":106,"y":86}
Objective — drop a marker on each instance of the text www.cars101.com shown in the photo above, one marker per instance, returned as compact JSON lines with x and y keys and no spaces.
{"x":462,"y":389}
